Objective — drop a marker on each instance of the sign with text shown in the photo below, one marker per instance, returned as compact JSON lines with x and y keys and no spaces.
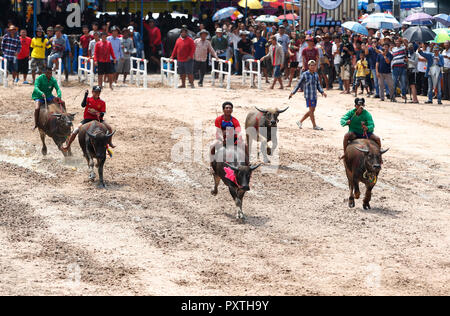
{"x":330,"y":4}
{"x":320,"y":19}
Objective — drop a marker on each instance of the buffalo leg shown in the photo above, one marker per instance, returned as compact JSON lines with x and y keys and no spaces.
{"x":239,"y":198}
{"x":101,"y":164}
{"x":44,"y":146}
{"x":91,"y":167}
{"x":356,"y":187}
{"x":216,"y":184}
{"x":264,"y":149}
{"x":367,"y":197}
{"x":351,"y":199}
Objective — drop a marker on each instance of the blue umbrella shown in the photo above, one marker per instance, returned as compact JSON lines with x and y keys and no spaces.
{"x":383,"y":21}
{"x":355,"y":27}
{"x":443,"y":18}
{"x":224,"y":13}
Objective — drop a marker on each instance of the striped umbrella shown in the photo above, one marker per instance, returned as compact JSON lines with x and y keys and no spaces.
{"x":355,"y":27}
{"x":383,"y":21}
{"x":224,"y":13}
{"x":443,"y":18}
{"x":420,"y":19}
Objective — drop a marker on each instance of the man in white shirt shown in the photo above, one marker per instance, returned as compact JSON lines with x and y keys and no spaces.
{"x":233,"y":40}
{"x":303,"y":45}
{"x":446,"y":54}
{"x":337,"y":59}
{"x":422,"y":82}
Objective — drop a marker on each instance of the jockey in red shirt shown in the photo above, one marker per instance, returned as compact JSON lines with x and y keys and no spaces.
{"x":95,"y":109}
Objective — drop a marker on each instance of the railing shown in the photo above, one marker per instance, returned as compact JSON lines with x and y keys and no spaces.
{"x":4,"y":71}
{"x":136,"y":73}
{"x":221,"y":72}
{"x":250,"y":72}
{"x":86,"y":70}
{"x":168,"y":73}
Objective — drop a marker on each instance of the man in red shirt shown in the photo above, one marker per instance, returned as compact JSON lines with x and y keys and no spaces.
{"x":94,"y":110}
{"x":154,"y":41}
{"x":184,"y":52}
{"x":102,"y":57}
{"x":310,"y":53}
{"x":22,"y":57}
{"x":85,"y":39}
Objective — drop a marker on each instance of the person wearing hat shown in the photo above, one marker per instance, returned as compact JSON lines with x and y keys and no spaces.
{"x":50,"y":33}
{"x":184,"y":52}
{"x":11,"y":46}
{"x":219,"y":43}
{"x":283,"y":39}
{"x":347,"y":51}
{"x":276,"y":55}
{"x":360,"y":124}
{"x":309,"y":53}
{"x":39,"y":44}
{"x":435,"y":62}
{"x":127,"y":45}
{"x":117,"y":47}
{"x":202,"y":48}
{"x":310,"y":83}
{"x":137,"y":42}
{"x":94,"y":110}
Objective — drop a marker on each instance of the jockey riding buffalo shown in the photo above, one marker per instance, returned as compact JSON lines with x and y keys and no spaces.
{"x":262,"y":124}
{"x":94,"y":138}
{"x":229,"y":165}
{"x":362,"y":160}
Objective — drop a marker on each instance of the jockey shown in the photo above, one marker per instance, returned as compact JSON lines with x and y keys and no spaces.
{"x":360,"y":124}
{"x":42,"y":92}
{"x":95,"y":109}
{"x":228,"y":131}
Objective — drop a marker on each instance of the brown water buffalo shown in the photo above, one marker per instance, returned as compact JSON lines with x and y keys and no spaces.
{"x":362,"y":162}
{"x":262,"y":125}
{"x":55,"y":123}
{"x":94,"y":138}
{"x":234,"y":173}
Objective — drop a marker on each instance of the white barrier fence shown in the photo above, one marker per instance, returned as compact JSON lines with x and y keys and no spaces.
{"x":250,"y":72}
{"x":4,"y":71}
{"x":168,"y":73}
{"x":136,"y":73}
{"x":59,"y":71}
{"x":86,"y":70}
{"x":221,"y":72}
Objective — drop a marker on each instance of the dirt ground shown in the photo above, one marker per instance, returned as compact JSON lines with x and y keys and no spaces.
{"x":157,"y":230}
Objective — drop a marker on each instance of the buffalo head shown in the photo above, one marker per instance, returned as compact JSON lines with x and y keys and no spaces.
{"x":63,"y":123}
{"x":271,"y":116}
{"x":372,"y":158}
{"x":99,"y":143}
{"x":243,"y":174}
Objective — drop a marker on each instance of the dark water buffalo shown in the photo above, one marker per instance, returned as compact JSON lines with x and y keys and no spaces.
{"x":236,"y":175}
{"x":54,"y":122}
{"x":261,"y":125}
{"x":362,"y":162}
{"x":171,"y":38}
{"x":94,"y":138}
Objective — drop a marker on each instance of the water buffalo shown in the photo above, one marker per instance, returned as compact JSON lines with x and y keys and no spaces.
{"x":94,"y":138}
{"x":234,"y":173}
{"x":171,"y":38}
{"x":55,"y":123}
{"x":263,"y":124}
{"x":362,"y":162}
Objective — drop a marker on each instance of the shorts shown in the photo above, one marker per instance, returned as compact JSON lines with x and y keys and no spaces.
{"x":311,"y":103}
{"x":22,"y":66}
{"x":186,"y":68}
{"x":38,"y":63}
{"x":85,"y":121}
{"x":105,"y":68}
{"x":325,"y":69}
{"x":369,"y":134}
{"x":49,"y":100}
{"x":85,"y":52}
{"x":345,"y":72}
{"x":123,"y":66}
{"x":293,"y":64}
{"x":12,"y":66}
{"x":361,"y":81}
{"x":412,"y":77}
{"x":277,"y":71}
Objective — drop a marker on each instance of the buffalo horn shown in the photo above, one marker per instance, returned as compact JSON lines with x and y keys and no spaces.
{"x":262,"y":111}
{"x":364,"y":150}
{"x":91,"y":135}
{"x":281,"y":111}
{"x":382,"y":151}
{"x":110,"y":135}
{"x":252,"y":168}
{"x":57,"y":115}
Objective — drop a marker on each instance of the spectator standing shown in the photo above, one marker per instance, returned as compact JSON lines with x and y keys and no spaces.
{"x":85,"y":39}
{"x":413,"y":60}
{"x":103,"y":55}
{"x":23,"y":56}
{"x":383,"y":67}
{"x":435,"y":62}
{"x":184,"y":52}
{"x":276,"y":55}
{"x":310,"y":53}
{"x":117,"y":47}
{"x":399,"y":64}
{"x":259,"y":48}
{"x":127,"y":45}
{"x":372,"y":50}
{"x":219,"y":43}
{"x":422,"y":83}
{"x":50,"y":34}
{"x":154,"y":39}
{"x":39,"y":44}
{"x":11,"y":46}
{"x":137,"y":42}
{"x":284,"y":40}
{"x":446,"y":55}
{"x":337,"y":60}
{"x":58,"y":47}
{"x":347,"y":51}
{"x":96,"y":38}
{"x":294,"y":46}
{"x":202,"y":48}
{"x":233,"y":40}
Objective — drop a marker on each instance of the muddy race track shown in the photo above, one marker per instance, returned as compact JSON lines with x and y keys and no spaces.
{"x":156,"y":229}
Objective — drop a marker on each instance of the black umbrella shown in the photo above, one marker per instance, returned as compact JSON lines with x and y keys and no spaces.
{"x":420,"y":34}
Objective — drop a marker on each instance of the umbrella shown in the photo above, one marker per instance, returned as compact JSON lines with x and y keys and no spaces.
{"x":420,"y":34}
{"x":442,"y":35}
{"x":355,"y":27}
{"x":224,"y":13}
{"x":251,"y":4}
{"x":443,"y":18}
{"x":289,"y":17}
{"x":383,"y":21}
{"x":420,"y":19}
{"x":267,"y":19}
{"x":281,"y":3}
